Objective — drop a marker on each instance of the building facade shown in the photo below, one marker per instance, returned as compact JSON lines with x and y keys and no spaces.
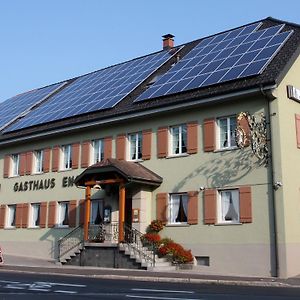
{"x":233,"y":200}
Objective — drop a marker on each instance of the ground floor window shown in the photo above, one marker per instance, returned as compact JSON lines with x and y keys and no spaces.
{"x":35,"y":215}
{"x":96,"y":212}
{"x":63,"y":214}
{"x":228,"y":206}
{"x":11,"y":216}
{"x":178,"y":208}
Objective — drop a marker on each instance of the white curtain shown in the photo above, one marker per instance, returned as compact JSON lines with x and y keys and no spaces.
{"x":175,"y":202}
{"x":63,"y":211}
{"x":35,"y":214}
{"x":230,"y":206}
{"x":225,"y":204}
{"x":11,"y":217}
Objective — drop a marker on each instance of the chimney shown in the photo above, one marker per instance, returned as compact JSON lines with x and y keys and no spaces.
{"x":168,"y":41}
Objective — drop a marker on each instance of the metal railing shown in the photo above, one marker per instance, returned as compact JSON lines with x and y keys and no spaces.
{"x":133,"y":239}
{"x":72,"y":241}
{"x":107,"y":232}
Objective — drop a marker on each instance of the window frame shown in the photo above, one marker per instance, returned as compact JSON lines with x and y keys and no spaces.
{"x":228,"y":133}
{"x":9,"y":209}
{"x":63,"y":217}
{"x":66,"y":157}
{"x":32,"y":225}
{"x":99,"y":152}
{"x":172,"y":151}
{"x":38,"y":167}
{"x":170,"y":208}
{"x":220,"y":206}
{"x":138,"y":146}
{"x":15,"y":165}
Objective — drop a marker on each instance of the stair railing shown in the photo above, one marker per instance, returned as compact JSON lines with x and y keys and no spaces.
{"x":74,"y":239}
{"x":133,"y":239}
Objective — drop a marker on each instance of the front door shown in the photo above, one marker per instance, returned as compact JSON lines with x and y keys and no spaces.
{"x":128,"y":220}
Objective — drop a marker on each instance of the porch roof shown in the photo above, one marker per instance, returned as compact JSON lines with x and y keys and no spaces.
{"x":111,"y":168}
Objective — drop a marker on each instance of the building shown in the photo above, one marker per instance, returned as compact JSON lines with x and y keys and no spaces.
{"x":204,"y":136}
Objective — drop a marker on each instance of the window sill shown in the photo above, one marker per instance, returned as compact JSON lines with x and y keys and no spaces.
{"x":37,"y":173}
{"x":10,"y":228}
{"x":61,"y":226}
{"x":226,"y":149}
{"x":136,"y":160}
{"x":14,"y":176}
{"x":34,"y":227}
{"x":64,"y":170}
{"x":228,"y":223}
{"x":178,"y":225}
{"x":177,"y":155}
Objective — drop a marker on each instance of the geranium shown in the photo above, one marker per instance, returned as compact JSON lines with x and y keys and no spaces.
{"x":156,"y":226}
{"x":150,"y":238}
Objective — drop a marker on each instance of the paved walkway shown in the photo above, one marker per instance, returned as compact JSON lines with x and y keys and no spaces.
{"x":26,"y":264}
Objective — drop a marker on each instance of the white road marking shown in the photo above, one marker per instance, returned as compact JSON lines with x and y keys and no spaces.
{"x":65,"y":292}
{"x":61,"y":284}
{"x":163,"y":291}
{"x":15,"y":287}
{"x":36,"y":289}
{"x":7,"y":281}
{"x":160,"y":298}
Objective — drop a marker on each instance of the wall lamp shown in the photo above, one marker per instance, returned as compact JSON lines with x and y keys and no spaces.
{"x":277,"y":185}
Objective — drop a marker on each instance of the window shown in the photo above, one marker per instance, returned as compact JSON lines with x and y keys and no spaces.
{"x":11,"y":216}
{"x":228,"y":206}
{"x":96,"y":212}
{"x":135,"y":146}
{"x":178,"y":208}
{"x":63,"y":214}
{"x":178,"y":139}
{"x":35,"y":215}
{"x":15,"y":171}
{"x":227,"y":132}
{"x":38,"y":161}
{"x":98,"y":151}
{"x":66,"y":157}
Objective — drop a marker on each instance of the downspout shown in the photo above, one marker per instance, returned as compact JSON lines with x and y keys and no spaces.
{"x":270,"y":97}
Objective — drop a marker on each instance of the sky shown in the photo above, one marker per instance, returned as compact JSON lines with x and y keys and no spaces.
{"x":48,"y":41}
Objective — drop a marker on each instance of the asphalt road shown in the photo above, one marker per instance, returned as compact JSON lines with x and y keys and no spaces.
{"x":37,"y":286}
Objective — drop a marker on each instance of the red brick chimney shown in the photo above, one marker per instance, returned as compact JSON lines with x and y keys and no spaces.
{"x":168,"y":41}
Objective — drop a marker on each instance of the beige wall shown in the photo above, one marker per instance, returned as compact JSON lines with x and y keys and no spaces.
{"x":181,"y":174}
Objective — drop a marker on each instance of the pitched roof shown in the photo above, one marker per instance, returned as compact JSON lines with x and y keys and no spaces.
{"x":109,"y":168}
{"x":271,"y":75}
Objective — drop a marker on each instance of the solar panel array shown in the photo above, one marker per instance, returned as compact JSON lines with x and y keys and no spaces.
{"x":17,"y":105}
{"x":220,"y":58}
{"x":95,"y":91}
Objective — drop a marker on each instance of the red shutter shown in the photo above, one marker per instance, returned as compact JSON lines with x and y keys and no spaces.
{"x":108,"y":147}
{"x":19,"y":212}
{"x":210,"y":206}
{"x":43,"y":214}
{"x":29,"y":156}
{"x":52,"y":214}
{"x":2,"y":215}
{"x":46,"y":162}
{"x":72,"y":213}
{"x":245,"y":205}
{"x":192,"y":137}
{"x":193,"y":207}
{"x":244,"y":124}
{"x":75,"y":155}
{"x":6,"y":166}
{"x":22,"y":164}
{"x":297,"y":120}
{"x":85,"y":154}
{"x":161,"y":207}
{"x":146,"y":144}
{"x":55,"y":158}
{"x":81,"y":211}
{"x":162,"y":142}
{"x":25,"y":215}
{"x":121,"y":147}
{"x":209,"y":135}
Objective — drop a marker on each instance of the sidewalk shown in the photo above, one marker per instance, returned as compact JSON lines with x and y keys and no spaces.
{"x":26,"y":264}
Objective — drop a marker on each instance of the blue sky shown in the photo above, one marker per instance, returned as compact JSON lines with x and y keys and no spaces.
{"x":47,"y":41}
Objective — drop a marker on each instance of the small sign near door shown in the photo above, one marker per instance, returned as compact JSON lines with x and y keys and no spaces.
{"x":135,"y":215}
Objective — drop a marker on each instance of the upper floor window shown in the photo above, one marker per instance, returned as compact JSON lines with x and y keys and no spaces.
{"x":15,"y":168}
{"x":98,"y":151}
{"x":38,"y":161}
{"x":66,"y":157}
{"x":35,"y":215}
{"x":135,"y":146}
{"x":228,"y":206}
{"x":227,"y":132}
{"x":178,"y":141}
{"x":11,"y":216}
{"x":63,"y":214}
{"x":178,"y":208}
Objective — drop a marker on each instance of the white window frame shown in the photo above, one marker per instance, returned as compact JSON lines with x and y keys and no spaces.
{"x":66,"y":157}
{"x":35,"y":215}
{"x":175,"y":205}
{"x":15,"y":165}
{"x":230,"y":144}
{"x":181,"y":145}
{"x":11,"y":216}
{"x":63,"y":214}
{"x":224,"y":209}
{"x":135,"y":141}
{"x":38,"y":161}
{"x":97,"y":150}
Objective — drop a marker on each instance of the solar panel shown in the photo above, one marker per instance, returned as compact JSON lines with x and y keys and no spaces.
{"x":18,"y":105}
{"x":95,"y":91}
{"x":234,"y":54}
